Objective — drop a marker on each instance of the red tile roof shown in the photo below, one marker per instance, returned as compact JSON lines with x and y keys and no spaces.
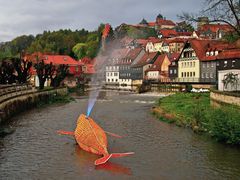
{"x":215,"y":27}
{"x":59,"y":59}
{"x":157,"y":64}
{"x":165,"y":22}
{"x":146,"y":59}
{"x":86,"y":60}
{"x":173,"y":56}
{"x":151,"y":24}
{"x":89,"y":69}
{"x":154,"y":40}
{"x":168,"y":32}
{"x":229,"y":54}
{"x":203,"y":46}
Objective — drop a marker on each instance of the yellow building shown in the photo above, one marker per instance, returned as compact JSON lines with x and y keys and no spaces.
{"x":188,"y":65}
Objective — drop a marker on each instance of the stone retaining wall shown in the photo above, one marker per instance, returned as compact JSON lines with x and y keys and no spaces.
{"x":222,"y":98}
{"x":22,"y":102}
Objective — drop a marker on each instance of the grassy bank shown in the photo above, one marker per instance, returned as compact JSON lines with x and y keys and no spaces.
{"x":194,"y":110}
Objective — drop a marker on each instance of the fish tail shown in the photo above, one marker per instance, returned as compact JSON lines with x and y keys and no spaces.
{"x":65,"y":132}
{"x":105,"y":158}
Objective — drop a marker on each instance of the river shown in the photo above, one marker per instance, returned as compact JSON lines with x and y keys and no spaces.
{"x":162,"y":151}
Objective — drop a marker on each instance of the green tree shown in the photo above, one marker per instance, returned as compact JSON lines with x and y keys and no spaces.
{"x":80,"y":50}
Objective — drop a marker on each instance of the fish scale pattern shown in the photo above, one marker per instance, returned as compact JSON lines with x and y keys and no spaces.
{"x":90,"y":136}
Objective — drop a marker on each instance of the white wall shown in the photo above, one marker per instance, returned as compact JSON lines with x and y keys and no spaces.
{"x":221,"y":77}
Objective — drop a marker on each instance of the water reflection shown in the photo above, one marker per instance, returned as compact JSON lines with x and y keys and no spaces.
{"x":86,"y":161}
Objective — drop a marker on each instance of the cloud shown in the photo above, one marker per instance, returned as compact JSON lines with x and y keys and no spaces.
{"x":19,"y":17}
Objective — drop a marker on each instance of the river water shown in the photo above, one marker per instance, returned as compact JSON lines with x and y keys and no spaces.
{"x":162,"y":151}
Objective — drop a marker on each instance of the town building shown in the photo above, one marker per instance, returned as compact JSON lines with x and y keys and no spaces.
{"x":125,"y":67}
{"x":228,"y":66}
{"x":138,"y":69}
{"x":159,"y":70}
{"x":173,"y":67}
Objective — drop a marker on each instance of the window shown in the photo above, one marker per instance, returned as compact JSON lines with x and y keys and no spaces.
{"x":208,"y":64}
{"x":187,"y":64}
{"x":175,"y":71}
{"x":116,"y":80}
{"x":207,"y":75}
{"x":170,"y":71}
{"x":193,"y":74}
{"x":112,"y":80}
{"x":115,"y":74}
{"x":190,"y":64}
{"x":173,"y":63}
{"x":233,"y":63}
{"x":225,"y":63}
{"x":211,"y":75}
{"x":193,"y":64}
{"x":108,"y":80}
{"x":182,"y":74}
{"x":110,"y":74}
{"x":203,"y":75}
{"x":190,"y":74}
{"x":187,"y":74}
{"x":212,"y":64}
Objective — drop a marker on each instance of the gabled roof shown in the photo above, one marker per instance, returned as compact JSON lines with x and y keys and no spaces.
{"x":154,"y":40}
{"x":157,"y":63}
{"x":168,"y":32}
{"x":151,"y":24}
{"x":119,"y":53}
{"x":201,"y":46}
{"x":147,"y":58}
{"x":165,"y":22}
{"x":59,"y":59}
{"x":173,"y":56}
{"x":215,"y":27}
{"x":229,"y":54}
{"x":133,"y":53}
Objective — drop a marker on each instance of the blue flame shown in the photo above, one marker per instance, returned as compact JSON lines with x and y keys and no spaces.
{"x":92,"y":100}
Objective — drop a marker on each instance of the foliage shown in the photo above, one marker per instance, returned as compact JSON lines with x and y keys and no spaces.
{"x":55,"y":42}
{"x":224,"y":124}
{"x":194,"y":110}
{"x":225,"y":11}
{"x":188,"y":87}
{"x":135,"y":32}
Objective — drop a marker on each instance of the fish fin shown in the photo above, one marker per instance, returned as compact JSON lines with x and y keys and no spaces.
{"x":65,"y":132}
{"x":118,"y":155}
{"x":103,"y":159}
{"x":112,"y":134}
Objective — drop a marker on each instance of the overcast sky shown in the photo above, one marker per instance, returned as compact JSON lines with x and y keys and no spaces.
{"x":18,"y":17}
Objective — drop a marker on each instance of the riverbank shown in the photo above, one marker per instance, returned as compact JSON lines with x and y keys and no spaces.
{"x":194,"y":110}
{"x":17,"y":103}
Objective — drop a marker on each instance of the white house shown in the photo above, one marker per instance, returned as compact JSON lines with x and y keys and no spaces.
{"x":230,"y":87}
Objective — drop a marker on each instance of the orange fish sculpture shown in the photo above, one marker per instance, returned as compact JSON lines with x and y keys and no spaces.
{"x":92,"y":138}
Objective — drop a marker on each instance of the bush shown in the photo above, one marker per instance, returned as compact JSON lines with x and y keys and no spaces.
{"x":188,"y":88}
{"x":224,"y":125}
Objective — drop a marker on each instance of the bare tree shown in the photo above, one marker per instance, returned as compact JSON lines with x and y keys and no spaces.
{"x":44,"y":72}
{"x":225,"y":11}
